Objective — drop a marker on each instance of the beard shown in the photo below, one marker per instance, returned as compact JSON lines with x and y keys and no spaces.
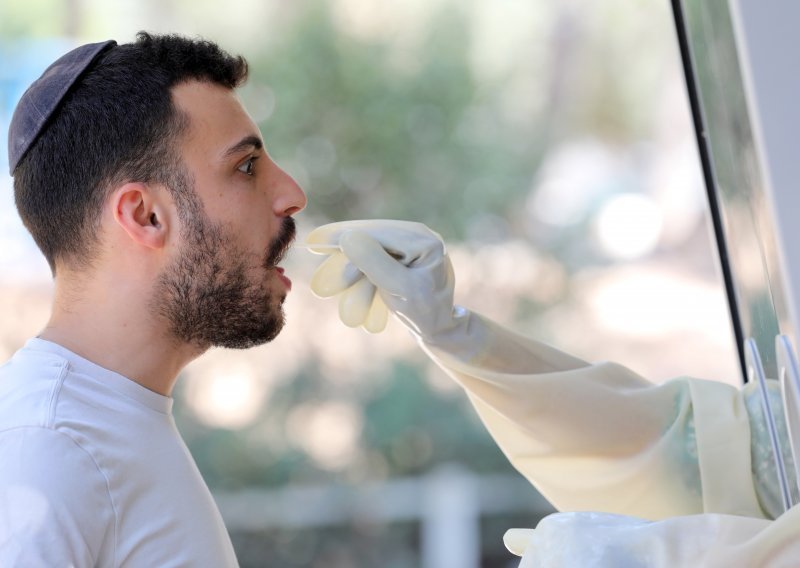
{"x":209,"y":296}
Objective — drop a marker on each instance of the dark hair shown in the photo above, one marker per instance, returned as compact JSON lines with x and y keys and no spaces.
{"x":117,"y":124}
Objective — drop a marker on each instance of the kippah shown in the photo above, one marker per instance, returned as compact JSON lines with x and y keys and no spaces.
{"x":42,"y":98}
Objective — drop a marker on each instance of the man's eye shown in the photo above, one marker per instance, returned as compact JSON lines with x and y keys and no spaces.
{"x":248,"y":167}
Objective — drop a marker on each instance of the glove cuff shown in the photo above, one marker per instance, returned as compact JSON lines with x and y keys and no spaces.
{"x":480,"y":343}
{"x":465,"y":338}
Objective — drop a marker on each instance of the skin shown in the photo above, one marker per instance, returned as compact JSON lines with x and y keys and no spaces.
{"x":113,"y":314}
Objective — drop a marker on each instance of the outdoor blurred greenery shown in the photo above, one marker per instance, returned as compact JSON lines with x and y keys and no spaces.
{"x":505,"y":126}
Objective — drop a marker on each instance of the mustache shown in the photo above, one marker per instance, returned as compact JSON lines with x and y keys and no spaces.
{"x":280,"y":245}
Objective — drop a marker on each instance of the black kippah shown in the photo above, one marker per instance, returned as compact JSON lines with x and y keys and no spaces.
{"x":44,"y":95}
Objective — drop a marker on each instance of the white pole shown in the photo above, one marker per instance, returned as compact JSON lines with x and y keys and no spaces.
{"x":450,"y":527}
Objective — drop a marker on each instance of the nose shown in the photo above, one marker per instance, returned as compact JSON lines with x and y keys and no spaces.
{"x":291,"y":198}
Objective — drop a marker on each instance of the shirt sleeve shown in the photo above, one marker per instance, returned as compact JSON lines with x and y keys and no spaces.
{"x":598,"y":437}
{"x":55,"y":508}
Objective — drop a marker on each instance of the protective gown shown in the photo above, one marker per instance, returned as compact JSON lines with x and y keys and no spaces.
{"x":676,"y":474}
{"x":691,"y":453}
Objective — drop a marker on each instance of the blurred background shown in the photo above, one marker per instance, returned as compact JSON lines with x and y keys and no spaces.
{"x":549,"y":142}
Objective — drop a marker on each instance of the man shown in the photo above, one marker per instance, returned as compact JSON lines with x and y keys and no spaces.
{"x":600,"y":442}
{"x":148,"y":189}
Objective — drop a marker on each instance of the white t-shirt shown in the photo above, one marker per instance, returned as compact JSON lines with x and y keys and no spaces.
{"x":93,"y":471}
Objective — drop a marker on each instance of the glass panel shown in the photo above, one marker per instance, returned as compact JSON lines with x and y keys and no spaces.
{"x":748,"y":226}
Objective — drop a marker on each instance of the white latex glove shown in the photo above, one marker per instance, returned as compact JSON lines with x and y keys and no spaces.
{"x":590,"y":540}
{"x":376,"y":266}
{"x":405,"y":262}
{"x":603,"y":540}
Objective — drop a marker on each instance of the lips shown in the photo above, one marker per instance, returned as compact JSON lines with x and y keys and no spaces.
{"x":283,"y":278}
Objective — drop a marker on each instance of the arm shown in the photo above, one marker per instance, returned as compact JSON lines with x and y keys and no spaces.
{"x":594,"y":437}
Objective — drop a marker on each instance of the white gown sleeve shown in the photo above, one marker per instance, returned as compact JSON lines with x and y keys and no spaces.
{"x":598,"y":437}
{"x":678,"y":474}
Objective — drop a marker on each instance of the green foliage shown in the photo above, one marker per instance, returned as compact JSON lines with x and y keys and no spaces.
{"x":416,"y":428}
{"x":410,"y":426}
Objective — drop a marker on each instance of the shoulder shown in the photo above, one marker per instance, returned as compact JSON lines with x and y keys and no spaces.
{"x":29,"y":385}
{"x":53,"y":498}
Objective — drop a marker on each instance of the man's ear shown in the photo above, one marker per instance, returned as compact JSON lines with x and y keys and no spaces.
{"x":140,"y":210}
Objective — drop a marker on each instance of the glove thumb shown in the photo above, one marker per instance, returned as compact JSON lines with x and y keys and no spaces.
{"x":517,"y":540}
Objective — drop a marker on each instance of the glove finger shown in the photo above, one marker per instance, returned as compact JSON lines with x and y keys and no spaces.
{"x":369,"y":257}
{"x":517,"y":540}
{"x":377,"y":317}
{"x":355,"y":302}
{"x":322,"y":248}
{"x":408,"y":241}
{"x":329,"y":234}
{"x":333,"y":276}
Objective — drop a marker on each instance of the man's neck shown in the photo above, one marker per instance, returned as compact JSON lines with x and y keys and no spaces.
{"x":118,"y":332}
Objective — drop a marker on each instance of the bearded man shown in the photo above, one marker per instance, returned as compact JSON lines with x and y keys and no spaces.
{"x":148,"y":189}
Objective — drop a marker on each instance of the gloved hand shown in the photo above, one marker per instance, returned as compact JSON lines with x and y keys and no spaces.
{"x":401,"y":266}
{"x":597,"y":540}
{"x":404,"y":262}
{"x":605,"y":540}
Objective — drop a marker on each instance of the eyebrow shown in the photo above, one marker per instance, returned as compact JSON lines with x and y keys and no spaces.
{"x":245,"y":143}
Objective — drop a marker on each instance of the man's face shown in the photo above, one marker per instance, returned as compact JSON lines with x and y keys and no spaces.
{"x":223,"y":286}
